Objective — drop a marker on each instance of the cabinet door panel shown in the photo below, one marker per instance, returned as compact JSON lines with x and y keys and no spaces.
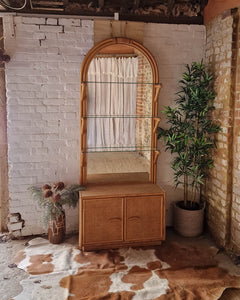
{"x":103,"y":220}
{"x":144,"y":218}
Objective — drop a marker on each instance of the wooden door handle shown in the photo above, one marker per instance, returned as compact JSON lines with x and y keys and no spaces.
{"x":112,"y":220}
{"x":134,"y":218}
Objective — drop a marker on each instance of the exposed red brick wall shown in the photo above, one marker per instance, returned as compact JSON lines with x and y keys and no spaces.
{"x":144,"y":105}
{"x":235,"y":205}
{"x":218,"y":187}
{"x":223,"y":187}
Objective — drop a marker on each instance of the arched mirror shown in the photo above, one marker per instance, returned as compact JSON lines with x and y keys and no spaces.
{"x":118,"y":113}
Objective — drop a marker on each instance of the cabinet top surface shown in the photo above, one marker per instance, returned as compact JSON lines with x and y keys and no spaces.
{"x":120,"y":189}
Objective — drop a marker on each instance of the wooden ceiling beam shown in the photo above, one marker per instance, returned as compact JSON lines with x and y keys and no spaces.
{"x":171,"y":11}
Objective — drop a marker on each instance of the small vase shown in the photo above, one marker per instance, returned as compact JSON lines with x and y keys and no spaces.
{"x":56,"y":229}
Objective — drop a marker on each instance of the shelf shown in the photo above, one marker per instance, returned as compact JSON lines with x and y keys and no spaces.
{"x":120,"y":116}
{"x":118,"y":149}
{"x":125,"y":82}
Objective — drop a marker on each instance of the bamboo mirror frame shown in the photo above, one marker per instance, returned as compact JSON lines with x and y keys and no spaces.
{"x":156,"y":86}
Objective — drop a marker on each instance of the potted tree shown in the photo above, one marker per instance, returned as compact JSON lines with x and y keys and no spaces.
{"x":191,"y":139}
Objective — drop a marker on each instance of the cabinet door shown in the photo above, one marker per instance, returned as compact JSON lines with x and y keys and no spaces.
{"x":102,"y":220}
{"x":144,"y":218}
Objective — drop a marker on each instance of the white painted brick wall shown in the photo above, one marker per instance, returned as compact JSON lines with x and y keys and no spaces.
{"x":42,"y":82}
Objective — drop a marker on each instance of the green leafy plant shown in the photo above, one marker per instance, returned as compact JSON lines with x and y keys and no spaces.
{"x":191,"y":133}
{"x":52,"y":198}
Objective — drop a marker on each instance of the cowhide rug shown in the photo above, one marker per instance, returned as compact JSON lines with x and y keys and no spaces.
{"x":170,"y":271}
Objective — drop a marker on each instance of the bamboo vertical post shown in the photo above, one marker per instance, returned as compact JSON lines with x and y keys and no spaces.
{"x":155,"y":122}
{"x":83,"y":134}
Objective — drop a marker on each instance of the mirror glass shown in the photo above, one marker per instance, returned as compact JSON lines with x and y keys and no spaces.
{"x":119,"y":115}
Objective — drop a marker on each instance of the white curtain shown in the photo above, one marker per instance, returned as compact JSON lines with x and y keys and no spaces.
{"x":112,"y":92}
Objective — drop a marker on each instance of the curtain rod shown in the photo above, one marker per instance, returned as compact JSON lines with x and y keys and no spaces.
{"x":116,"y":55}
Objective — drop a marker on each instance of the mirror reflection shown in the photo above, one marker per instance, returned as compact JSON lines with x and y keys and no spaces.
{"x":119,"y":115}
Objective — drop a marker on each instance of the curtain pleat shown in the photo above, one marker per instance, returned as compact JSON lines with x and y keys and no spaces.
{"x":112,"y":92}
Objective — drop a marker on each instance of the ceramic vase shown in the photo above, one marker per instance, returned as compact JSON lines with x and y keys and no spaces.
{"x":56,"y":229}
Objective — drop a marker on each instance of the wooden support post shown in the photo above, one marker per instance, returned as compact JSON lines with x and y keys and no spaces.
{"x":83,"y":133}
{"x":171,"y":4}
{"x":155,"y":122}
{"x":124,"y":6}
{"x":136,"y":4}
{"x":100,"y":3}
{"x":4,"y":194}
{"x":156,"y":154}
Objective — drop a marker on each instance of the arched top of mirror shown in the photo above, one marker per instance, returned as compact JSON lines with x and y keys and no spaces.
{"x":119,"y":46}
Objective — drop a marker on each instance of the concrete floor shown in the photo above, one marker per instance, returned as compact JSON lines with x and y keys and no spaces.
{"x":11,"y":276}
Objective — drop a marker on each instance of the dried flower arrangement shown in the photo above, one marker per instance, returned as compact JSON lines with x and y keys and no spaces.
{"x":52,"y":197}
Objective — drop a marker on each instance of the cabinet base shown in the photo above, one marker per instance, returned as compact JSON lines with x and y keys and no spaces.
{"x":119,"y":245}
{"x":121,"y":215}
